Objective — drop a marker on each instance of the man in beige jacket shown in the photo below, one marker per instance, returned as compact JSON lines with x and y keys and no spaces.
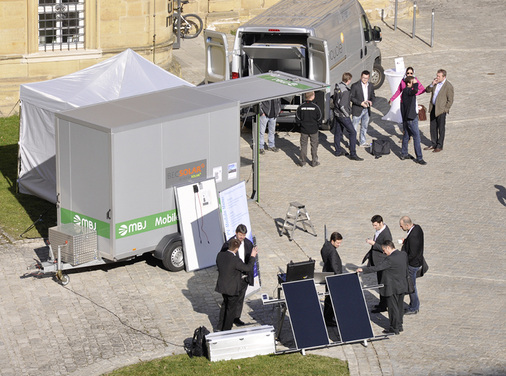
{"x":440,"y":102}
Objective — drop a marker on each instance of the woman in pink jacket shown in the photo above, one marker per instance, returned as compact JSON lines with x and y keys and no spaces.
{"x":409,"y":72}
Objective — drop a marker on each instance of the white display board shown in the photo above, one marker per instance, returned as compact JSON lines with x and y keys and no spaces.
{"x":234,"y":211}
{"x":399,"y":65}
{"x":394,"y":78}
{"x":200,"y":223}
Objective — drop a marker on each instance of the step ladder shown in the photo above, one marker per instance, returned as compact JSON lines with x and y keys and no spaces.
{"x":297,"y":213}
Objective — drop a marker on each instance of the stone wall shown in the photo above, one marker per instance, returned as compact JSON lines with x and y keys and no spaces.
{"x":111,"y":26}
{"x":114,"y":25}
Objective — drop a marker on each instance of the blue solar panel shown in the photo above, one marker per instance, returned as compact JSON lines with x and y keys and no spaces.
{"x":305,"y":313}
{"x":350,"y":308}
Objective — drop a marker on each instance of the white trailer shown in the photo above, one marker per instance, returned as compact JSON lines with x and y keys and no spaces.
{"x":118,"y":164}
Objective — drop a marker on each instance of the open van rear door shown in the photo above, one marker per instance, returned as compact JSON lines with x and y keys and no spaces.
{"x":217,"y":64}
{"x":318,"y":53}
{"x":319,"y":70}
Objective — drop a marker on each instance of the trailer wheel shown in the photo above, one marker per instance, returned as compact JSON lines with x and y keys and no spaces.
{"x":64,"y":280}
{"x":377,"y":76}
{"x":173,"y":258}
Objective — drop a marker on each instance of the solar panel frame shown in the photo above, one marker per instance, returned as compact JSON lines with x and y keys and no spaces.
{"x":350,"y":308}
{"x":305,"y":314}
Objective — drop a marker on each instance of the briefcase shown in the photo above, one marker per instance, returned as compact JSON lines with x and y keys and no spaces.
{"x":380,"y":147}
{"x":241,"y":343}
{"x":422,"y":113}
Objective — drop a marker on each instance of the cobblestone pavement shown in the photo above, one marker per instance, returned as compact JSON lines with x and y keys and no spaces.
{"x":108,"y":317}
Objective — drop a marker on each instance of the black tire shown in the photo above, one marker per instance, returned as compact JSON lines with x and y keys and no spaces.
{"x":192,"y":27}
{"x":173,"y":257}
{"x":377,"y":76}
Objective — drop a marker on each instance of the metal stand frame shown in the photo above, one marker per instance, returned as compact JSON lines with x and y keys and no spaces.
{"x":281,"y":303}
{"x":297,"y":213}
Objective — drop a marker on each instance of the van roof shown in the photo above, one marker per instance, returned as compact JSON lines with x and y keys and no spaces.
{"x":300,"y":13}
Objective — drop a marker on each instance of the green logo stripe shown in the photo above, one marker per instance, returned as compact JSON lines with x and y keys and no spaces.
{"x":285,"y":82}
{"x":148,"y":223}
{"x":103,"y":229}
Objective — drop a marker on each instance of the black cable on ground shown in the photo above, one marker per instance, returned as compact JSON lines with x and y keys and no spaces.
{"x":166,"y":343}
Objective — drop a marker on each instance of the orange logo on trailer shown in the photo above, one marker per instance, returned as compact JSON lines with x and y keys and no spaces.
{"x":192,"y":171}
{"x":185,"y":172}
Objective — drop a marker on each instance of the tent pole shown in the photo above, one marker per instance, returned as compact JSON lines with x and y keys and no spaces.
{"x":154,"y":29}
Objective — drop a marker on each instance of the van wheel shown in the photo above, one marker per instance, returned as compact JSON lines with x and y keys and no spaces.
{"x":173,"y":258}
{"x":377,"y":76}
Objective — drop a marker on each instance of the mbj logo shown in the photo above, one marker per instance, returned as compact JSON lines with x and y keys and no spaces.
{"x":132,"y":227}
{"x":165,"y":220}
{"x":84,"y":222}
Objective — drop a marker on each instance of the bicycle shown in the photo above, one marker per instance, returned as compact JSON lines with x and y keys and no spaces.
{"x":191,"y":24}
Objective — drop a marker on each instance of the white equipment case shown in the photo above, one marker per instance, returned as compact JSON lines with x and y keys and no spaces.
{"x":241,"y":343}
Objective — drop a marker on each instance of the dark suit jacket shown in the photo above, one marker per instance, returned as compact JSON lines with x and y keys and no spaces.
{"x":395,"y":273}
{"x":331,"y":260}
{"x":357,"y":97}
{"x":413,"y":246}
{"x":377,"y":255}
{"x":248,"y":247}
{"x":230,"y":269}
{"x":444,"y":98}
{"x":408,"y":102}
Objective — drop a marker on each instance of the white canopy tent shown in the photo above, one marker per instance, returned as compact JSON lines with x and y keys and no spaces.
{"x":124,"y":75}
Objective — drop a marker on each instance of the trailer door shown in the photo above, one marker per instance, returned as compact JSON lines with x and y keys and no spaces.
{"x":319,"y":70}
{"x":217,"y":64}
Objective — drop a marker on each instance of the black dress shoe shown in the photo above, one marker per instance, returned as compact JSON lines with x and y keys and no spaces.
{"x":356,"y":158}
{"x":390,"y":332}
{"x":403,"y":157}
{"x":340,"y":154}
{"x":378,"y":310}
{"x":409,"y":312}
{"x":420,"y":162}
{"x":239,"y":322}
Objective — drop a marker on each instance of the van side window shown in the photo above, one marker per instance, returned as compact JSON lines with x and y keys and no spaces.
{"x":367,"y":29}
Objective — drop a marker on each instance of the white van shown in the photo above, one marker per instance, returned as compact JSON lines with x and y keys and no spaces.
{"x":315,"y":39}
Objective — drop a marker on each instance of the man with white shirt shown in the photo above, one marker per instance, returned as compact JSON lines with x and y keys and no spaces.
{"x":440,"y":102}
{"x":362,"y":97}
{"x":246,"y":247}
{"x":375,"y":256}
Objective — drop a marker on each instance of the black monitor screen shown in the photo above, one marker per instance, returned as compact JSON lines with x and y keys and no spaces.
{"x":296,"y":271}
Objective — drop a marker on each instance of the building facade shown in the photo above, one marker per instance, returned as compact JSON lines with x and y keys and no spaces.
{"x":45,"y":39}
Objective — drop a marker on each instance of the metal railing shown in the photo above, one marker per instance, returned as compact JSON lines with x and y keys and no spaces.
{"x":413,"y":30}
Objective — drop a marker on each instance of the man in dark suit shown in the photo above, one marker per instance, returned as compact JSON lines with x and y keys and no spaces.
{"x":413,"y":246}
{"x":247,"y":278}
{"x":375,"y":256}
{"x":395,"y":283}
{"x":331,"y":263}
{"x":441,"y":100}
{"x":230,"y":269}
{"x":362,"y":97}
